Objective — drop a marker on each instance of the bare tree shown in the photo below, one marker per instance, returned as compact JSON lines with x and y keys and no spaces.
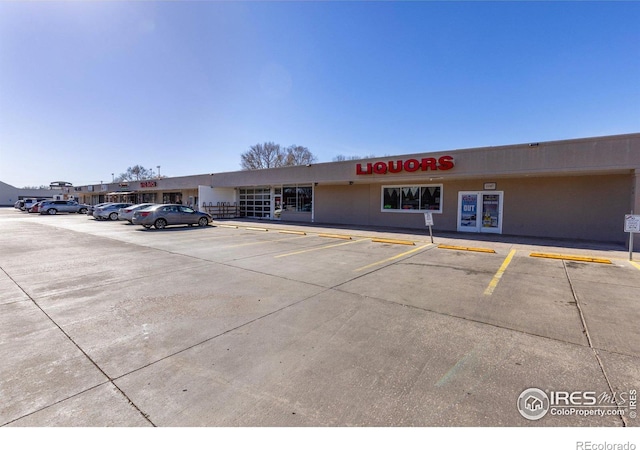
{"x":351,"y":158}
{"x":262,"y":156}
{"x":299,"y":156}
{"x":135,"y":173}
{"x":270,"y":155}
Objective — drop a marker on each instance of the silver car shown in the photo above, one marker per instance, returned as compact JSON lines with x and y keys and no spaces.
{"x":92,"y":208}
{"x":55,"y":206}
{"x":161,"y":216}
{"x":127,"y":213}
{"x":109,"y":211}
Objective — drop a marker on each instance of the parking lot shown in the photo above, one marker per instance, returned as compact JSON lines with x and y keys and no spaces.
{"x":272,"y":324}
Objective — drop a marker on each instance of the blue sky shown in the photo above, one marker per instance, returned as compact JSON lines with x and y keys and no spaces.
{"x":88,"y":89}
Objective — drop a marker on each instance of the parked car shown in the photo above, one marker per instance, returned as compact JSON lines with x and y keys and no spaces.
{"x":69,"y":206}
{"x":92,"y":208}
{"x":109,"y":211}
{"x":19,"y":204}
{"x":28,"y":203}
{"x":36,"y":207}
{"x":127,"y":213}
{"x":161,"y":216}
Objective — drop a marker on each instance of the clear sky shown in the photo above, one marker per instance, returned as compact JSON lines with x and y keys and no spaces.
{"x":88,"y":89}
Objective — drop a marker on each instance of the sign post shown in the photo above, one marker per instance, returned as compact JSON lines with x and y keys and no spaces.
{"x":631,"y":225}
{"x":428,"y":220}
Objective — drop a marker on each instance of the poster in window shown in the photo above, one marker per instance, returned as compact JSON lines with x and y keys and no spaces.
{"x":490,"y":208}
{"x":468,"y":214}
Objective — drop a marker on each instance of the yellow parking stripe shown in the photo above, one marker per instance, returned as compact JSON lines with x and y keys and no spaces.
{"x":318,"y":248}
{"x":393,"y":257}
{"x":468,"y":249}
{"x":498,"y":275}
{"x":246,"y":244}
{"x":571,"y":258}
{"x":635,"y":264}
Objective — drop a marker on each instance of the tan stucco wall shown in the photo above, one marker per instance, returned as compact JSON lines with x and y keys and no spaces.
{"x":576,"y":207}
{"x":609,"y":154}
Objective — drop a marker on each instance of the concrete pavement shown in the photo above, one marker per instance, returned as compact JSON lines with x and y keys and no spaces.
{"x":107,"y":324}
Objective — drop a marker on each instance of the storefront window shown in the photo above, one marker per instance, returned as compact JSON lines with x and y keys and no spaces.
{"x":391,"y":198}
{"x":172,"y":197}
{"x":297,"y":198}
{"x":412,"y":198}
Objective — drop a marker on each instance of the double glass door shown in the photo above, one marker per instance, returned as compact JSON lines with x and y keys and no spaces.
{"x":480,"y":211}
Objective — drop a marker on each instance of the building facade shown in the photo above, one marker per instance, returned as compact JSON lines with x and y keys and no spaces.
{"x":9,"y":195}
{"x":578,"y":189}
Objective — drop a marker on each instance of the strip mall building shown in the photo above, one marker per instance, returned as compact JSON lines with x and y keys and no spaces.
{"x":577,"y":189}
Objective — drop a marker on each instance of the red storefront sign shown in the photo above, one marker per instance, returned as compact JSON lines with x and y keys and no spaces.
{"x":147,"y":184}
{"x":410,"y":165}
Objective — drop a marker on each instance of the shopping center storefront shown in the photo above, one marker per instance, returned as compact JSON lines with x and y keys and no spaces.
{"x":164,"y":190}
{"x":578,"y":189}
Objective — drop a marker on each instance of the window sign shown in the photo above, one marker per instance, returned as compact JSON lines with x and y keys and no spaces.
{"x":490,"y":210}
{"x":480,"y":211}
{"x":469,"y":211}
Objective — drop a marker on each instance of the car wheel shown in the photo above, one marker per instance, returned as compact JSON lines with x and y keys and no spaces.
{"x":203,"y":222}
{"x":52,"y":211}
{"x":113,"y":216}
{"x":82,"y":211}
{"x":160,"y":224}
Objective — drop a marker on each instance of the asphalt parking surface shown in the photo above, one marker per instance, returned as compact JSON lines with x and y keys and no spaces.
{"x":271,"y":324}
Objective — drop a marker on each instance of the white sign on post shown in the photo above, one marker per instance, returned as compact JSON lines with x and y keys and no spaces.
{"x":631,"y":223}
{"x":428,"y":218}
{"x":428,"y":221}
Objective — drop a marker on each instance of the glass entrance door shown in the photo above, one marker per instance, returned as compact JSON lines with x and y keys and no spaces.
{"x":480,"y":212}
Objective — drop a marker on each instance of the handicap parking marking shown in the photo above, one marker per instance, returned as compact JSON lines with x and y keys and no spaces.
{"x":496,"y":278}
{"x":393,"y":258}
